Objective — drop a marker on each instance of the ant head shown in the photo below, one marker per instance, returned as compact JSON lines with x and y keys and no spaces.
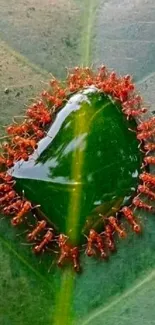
{"x":62,"y":238}
{"x":137,"y":228}
{"x":92,"y":234}
{"x":36,"y":249}
{"x":43,"y":223}
{"x":90,"y":252}
{"x":10,"y":129}
{"x":124,"y":209}
{"x":15,"y":221}
{"x":27,"y":205}
{"x":75,"y":251}
{"x":17,"y":138}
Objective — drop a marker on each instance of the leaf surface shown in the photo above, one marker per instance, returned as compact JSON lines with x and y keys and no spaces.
{"x":51,"y":36}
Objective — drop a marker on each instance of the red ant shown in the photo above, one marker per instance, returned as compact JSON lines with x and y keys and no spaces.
{"x":58,"y":102}
{"x":149,"y":147}
{"x":6,"y":177}
{"x":3,"y":161}
{"x":148,"y":160}
{"x":146,"y":125}
{"x":74,"y":254}
{"x":46,"y":240}
{"x":95,"y":238}
{"x":113,"y":77}
{"x":8,"y":197}
{"x":68,"y":252}
{"x":122,"y":92}
{"x":64,"y":248}
{"x":40,"y":114}
{"x":147,"y":178}
{"x":142,"y":205}
{"x":11,"y":152}
{"x":40,"y":226}
{"x":39,"y":133}
{"x":145,"y":135}
{"x":24,"y":143}
{"x":128,"y":214}
{"x":17,"y":129}
{"x":15,"y":155}
{"x":72,"y":88}
{"x":145,"y":190}
{"x":127,"y":79}
{"x":13,"y":207}
{"x":55,"y":100}
{"x":113,"y":221}
{"x":43,"y":118}
{"x":54,"y":83}
{"x":134,"y":113}
{"x":5,"y":187}
{"x":19,"y":217}
{"x":109,"y":237}
{"x":22,"y":155}
{"x":102,"y":73}
{"x":24,"y":129}
{"x":132,"y":103}
{"x":61,"y":92}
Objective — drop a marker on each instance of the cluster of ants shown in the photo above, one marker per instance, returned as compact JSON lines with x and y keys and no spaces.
{"x":23,"y":140}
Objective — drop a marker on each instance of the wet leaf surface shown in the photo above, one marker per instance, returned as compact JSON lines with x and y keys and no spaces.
{"x":88,"y":164}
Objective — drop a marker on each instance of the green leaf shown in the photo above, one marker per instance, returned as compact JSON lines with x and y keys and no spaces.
{"x":88,"y":164}
{"x":53,"y":35}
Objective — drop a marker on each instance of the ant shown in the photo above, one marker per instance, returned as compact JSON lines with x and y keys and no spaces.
{"x":3,"y":161}
{"x":15,"y":155}
{"x":145,"y":126}
{"x":40,"y":226}
{"x":66,"y":251}
{"x":95,"y":238}
{"x":113,"y":221}
{"x":25,"y":143}
{"x":132,"y":103}
{"x":55,"y":100}
{"x":145,"y":135}
{"x":39,"y":113}
{"x":25,"y":128}
{"x":46,"y":240}
{"x":5,"y":187}
{"x":134,"y":113}
{"x":149,"y":147}
{"x":8,"y":197}
{"x":13,"y":207}
{"x":19,"y":217}
{"x":6,"y":177}
{"x":145,"y":190}
{"x":17,"y":129}
{"x":109,"y":230}
{"x":102,"y":73}
{"x":142,"y":205}
{"x":148,"y":160}
{"x":128,"y":214}
{"x":147,"y":178}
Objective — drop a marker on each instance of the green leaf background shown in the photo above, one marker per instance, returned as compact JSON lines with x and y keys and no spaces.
{"x":36,"y":38}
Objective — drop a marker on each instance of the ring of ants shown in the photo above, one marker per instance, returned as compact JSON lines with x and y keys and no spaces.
{"x":23,"y":139}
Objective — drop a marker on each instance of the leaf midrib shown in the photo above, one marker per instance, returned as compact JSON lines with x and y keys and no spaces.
{"x":68,"y":280}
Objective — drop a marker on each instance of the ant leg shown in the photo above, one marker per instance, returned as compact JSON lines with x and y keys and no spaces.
{"x":75,"y":258}
{"x":24,"y":232}
{"x":61,"y":259}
